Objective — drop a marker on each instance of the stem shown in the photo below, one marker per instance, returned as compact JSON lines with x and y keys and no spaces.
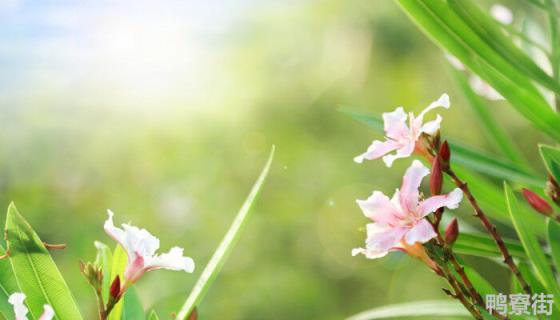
{"x":101,"y":305}
{"x":490,"y":228}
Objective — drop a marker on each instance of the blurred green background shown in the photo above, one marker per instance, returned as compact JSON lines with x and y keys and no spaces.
{"x":165,"y":112}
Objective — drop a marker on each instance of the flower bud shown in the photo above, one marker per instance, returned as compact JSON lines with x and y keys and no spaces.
{"x":93,"y":274}
{"x":444,"y":152}
{"x":452,"y":232}
{"x":538,"y":203}
{"x":115,"y":289}
{"x":193,"y":315}
{"x":553,"y":190}
{"x":436,"y":177}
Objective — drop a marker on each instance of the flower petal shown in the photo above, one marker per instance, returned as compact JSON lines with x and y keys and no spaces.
{"x":382,"y":237}
{"x":431,"y":127}
{"x":442,"y":101}
{"x":20,"y":310}
{"x":173,"y":260}
{"x":394,"y":124}
{"x":116,"y":233}
{"x":379,"y":208}
{"x":48,"y":313}
{"x":421,"y":232}
{"x":450,"y":200}
{"x":403,"y":152}
{"x":411,"y":182}
{"x":376,"y":150}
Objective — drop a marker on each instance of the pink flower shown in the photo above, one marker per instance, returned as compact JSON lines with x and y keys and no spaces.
{"x":141,"y":247}
{"x":400,"y":223}
{"x":402,"y":137}
{"x":20,"y":310}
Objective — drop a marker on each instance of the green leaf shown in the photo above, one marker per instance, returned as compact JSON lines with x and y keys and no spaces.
{"x":36,"y":272}
{"x":479,"y":283}
{"x":132,"y":307}
{"x":454,"y":35}
{"x":219,"y":257}
{"x":482,"y":245}
{"x":430,"y":308}
{"x":153,"y":315}
{"x":531,"y":244}
{"x":120,"y":260}
{"x":8,"y":285}
{"x":104,"y":259}
{"x":551,"y":158}
{"x":470,"y":158}
{"x":490,"y":31}
{"x":493,"y":129}
{"x":554,"y":241}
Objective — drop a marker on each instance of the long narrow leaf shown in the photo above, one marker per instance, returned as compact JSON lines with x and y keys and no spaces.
{"x":493,"y":129}
{"x":532,"y":247}
{"x":432,"y":308}
{"x":120,"y":260}
{"x":551,"y":158}
{"x":217,"y":261}
{"x":482,"y":245}
{"x":36,"y":272}
{"x":104,"y":259}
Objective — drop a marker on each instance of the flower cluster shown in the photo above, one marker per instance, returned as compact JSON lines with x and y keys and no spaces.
{"x":400,"y":223}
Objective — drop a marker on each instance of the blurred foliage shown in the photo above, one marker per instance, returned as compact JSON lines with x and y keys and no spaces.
{"x":181,"y":164}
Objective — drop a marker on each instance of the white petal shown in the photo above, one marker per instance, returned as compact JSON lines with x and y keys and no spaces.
{"x":370,"y":254}
{"x":379,"y":208}
{"x":455,"y":63}
{"x":173,"y":260}
{"x":450,"y":200}
{"x":403,"y":152}
{"x":441,"y":102}
{"x":376,"y":150}
{"x":431,"y":127}
{"x":421,"y":232}
{"x":483,"y":89}
{"x":17,"y":300}
{"x":116,"y":233}
{"x":48,"y":313}
{"x":140,"y":241}
{"x":394,"y":124}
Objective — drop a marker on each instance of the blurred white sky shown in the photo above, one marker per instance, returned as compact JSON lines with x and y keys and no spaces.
{"x":131,"y":51}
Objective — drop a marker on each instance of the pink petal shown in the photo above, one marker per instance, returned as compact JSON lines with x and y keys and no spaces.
{"x":411,"y":182}
{"x":403,"y":152}
{"x":421,"y":232}
{"x":395,"y":124}
{"x":381,"y":237}
{"x":442,"y":101}
{"x":431,"y":127}
{"x":376,"y":150}
{"x":116,"y":233}
{"x":450,"y":200}
{"x":379,"y":208}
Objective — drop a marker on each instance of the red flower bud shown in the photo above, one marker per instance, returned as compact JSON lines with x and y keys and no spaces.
{"x":436,"y":177}
{"x":537,"y":202}
{"x":115,"y":289}
{"x":444,"y":152}
{"x":452,"y":232}
{"x":193,"y":315}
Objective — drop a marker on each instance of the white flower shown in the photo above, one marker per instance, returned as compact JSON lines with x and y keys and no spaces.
{"x":400,"y":136}
{"x":141,"y":247}
{"x":17,"y":300}
{"x":501,"y":13}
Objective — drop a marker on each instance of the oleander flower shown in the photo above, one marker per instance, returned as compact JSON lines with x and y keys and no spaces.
{"x":402,"y":137}
{"x":141,"y":247}
{"x":400,"y":223}
{"x":20,"y":310}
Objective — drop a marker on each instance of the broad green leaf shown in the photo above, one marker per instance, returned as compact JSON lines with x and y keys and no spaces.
{"x":489,"y":30}
{"x":430,"y":308}
{"x":482,"y":245}
{"x":153,"y":315}
{"x":449,"y":30}
{"x":554,"y":241}
{"x":132,"y":307}
{"x":551,"y":158}
{"x":120,"y":259}
{"x":532,"y":247}
{"x":36,"y":272}
{"x":8,"y":285}
{"x":104,"y":259}
{"x":219,"y":257}
{"x":493,"y":129}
